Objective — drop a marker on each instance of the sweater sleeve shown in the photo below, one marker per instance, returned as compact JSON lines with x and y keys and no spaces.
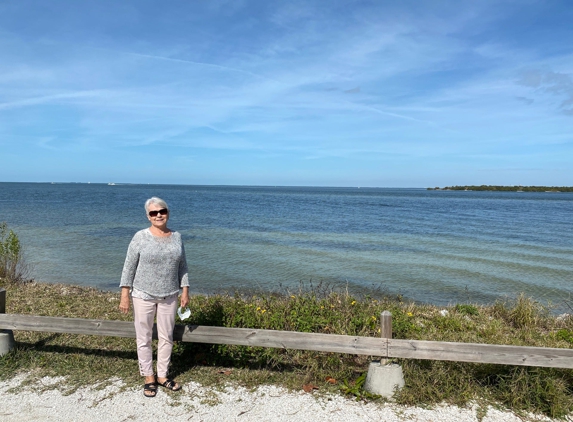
{"x":130,"y":265}
{"x":183,"y":271}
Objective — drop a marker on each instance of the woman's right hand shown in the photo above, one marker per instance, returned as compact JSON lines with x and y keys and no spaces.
{"x":124,"y":300}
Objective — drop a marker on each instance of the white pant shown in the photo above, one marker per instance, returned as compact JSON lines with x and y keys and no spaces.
{"x":144,"y":312}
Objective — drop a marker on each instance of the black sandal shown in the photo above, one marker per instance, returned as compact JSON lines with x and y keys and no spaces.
{"x":150,"y":390}
{"x":170,"y":385}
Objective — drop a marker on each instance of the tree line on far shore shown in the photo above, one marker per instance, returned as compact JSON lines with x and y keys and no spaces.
{"x":509,"y":188}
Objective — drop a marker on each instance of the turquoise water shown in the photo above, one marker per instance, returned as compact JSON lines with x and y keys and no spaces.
{"x":433,"y":246}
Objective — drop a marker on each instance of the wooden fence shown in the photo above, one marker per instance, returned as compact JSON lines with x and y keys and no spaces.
{"x":384,"y":347}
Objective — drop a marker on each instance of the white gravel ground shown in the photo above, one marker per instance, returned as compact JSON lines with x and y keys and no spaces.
{"x":197,"y":403}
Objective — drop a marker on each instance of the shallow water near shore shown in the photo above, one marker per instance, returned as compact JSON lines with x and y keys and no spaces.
{"x":440,"y":247}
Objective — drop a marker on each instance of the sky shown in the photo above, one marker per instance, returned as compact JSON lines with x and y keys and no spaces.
{"x":298,"y":93}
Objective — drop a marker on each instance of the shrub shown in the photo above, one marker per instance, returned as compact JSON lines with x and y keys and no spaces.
{"x":12,"y":266}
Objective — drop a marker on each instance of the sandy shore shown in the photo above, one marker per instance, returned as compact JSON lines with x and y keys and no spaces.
{"x":45,"y":402}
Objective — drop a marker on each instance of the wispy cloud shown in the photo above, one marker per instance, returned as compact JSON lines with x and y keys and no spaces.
{"x":54,"y":98}
{"x":207,"y":65}
{"x":554,"y":83}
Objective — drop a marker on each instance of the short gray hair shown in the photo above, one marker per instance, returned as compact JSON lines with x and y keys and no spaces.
{"x":155,"y":200}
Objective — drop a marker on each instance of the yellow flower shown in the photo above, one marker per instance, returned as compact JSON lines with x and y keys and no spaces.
{"x":292,"y":296}
{"x":263,"y":311}
{"x":410,"y":314}
{"x":353,"y":302}
{"x":378,"y":329}
{"x":373,"y":318}
{"x":321,"y":307}
{"x":258,"y":308}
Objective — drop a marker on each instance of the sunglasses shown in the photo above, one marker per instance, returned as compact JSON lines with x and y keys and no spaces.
{"x":162,"y":211}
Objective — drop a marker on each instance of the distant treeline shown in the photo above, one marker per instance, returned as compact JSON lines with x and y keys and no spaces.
{"x":510,"y":188}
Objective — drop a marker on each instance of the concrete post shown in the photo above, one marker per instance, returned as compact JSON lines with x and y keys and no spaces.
{"x":383,"y":378}
{"x":6,"y":336}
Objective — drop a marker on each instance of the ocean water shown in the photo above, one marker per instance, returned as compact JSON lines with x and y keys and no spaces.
{"x":440,"y":247}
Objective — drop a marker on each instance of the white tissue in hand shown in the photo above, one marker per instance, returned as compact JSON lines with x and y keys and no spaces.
{"x":183,"y":313}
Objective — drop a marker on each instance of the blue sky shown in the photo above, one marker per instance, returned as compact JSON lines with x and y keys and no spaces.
{"x":321,"y":93}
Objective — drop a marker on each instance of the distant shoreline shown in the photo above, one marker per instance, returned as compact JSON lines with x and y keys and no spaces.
{"x":508,"y":188}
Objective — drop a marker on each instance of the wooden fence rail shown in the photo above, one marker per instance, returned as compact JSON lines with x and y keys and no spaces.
{"x":385,"y":347}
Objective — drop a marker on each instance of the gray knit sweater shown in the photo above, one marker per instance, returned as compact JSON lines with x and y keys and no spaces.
{"x":155,"y":265}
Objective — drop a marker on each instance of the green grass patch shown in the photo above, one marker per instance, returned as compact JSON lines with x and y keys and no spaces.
{"x":86,"y":360}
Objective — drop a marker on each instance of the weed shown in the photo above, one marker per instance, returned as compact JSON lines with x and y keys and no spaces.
{"x":565,"y":335}
{"x":467,"y":309}
{"x":356,"y":389}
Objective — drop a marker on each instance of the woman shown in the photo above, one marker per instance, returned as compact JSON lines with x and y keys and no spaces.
{"x":155,"y":269}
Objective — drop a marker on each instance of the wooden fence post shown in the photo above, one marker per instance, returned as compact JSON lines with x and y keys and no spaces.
{"x":385,"y":331}
{"x":2,"y":300}
{"x":6,"y":336}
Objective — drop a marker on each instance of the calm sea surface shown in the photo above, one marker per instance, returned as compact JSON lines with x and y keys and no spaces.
{"x":440,"y":247}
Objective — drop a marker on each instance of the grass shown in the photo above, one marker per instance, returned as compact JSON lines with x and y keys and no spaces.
{"x":92,"y":359}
